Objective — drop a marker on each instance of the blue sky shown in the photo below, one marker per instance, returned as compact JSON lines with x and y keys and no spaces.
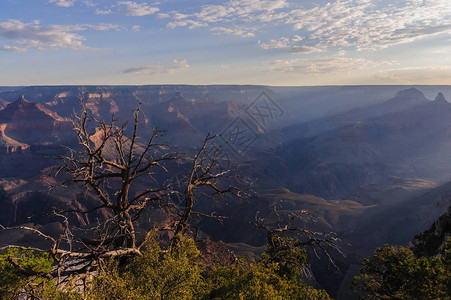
{"x":273,"y":42}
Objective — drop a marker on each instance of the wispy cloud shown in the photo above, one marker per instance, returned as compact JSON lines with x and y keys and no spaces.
{"x":51,"y":37}
{"x":363,"y":25}
{"x":289,"y":44}
{"x":12,"y":49}
{"x":103,"y":12}
{"x":159,"y":68}
{"x":102,"y":27}
{"x":235,"y":31}
{"x":358,"y":24}
{"x":42,"y":37}
{"x":129,"y":8}
{"x":233,"y":11}
{"x":162,"y":15}
{"x":236,"y":10}
{"x":317,"y":66}
{"x":189,"y":23}
{"x":63,"y":3}
{"x":89,"y":3}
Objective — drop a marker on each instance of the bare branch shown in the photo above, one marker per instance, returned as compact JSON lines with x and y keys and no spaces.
{"x":304,"y":237}
{"x":38,"y":232}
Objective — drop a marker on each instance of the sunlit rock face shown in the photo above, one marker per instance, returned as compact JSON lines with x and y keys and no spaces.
{"x":24,"y":123}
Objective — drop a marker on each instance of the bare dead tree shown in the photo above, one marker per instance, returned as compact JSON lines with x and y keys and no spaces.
{"x":283,"y":235}
{"x":109,"y":164}
{"x":115,"y":166}
{"x":208,"y":180}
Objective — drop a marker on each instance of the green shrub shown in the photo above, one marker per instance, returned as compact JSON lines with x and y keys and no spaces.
{"x":395,"y":273}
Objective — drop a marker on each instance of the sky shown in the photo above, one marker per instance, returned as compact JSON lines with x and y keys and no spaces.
{"x":265,"y":42}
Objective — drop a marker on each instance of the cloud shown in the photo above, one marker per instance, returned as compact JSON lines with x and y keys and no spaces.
{"x":162,"y":16}
{"x":159,"y":68}
{"x":179,"y":16}
{"x":317,"y":66}
{"x":190,"y":23}
{"x":363,"y":25}
{"x":102,"y":27}
{"x":12,"y":49}
{"x":233,"y":11}
{"x":63,"y":3}
{"x":130,"y":8}
{"x":103,"y":12}
{"x":51,"y":37}
{"x":289,"y":44}
{"x":236,"y":9}
{"x":215,"y":13}
{"x":42,"y":37}
{"x":89,"y":3}
{"x":237,"y":32}
{"x":357,"y":24}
